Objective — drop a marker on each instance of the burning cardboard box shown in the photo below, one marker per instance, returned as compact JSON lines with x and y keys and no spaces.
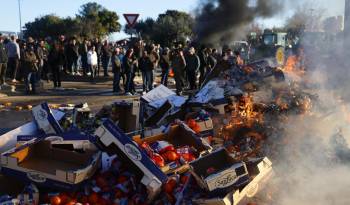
{"x":260,"y":171}
{"x":50,"y":164}
{"x":219,"y":172}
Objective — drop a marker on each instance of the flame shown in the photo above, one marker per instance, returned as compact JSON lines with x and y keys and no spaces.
{"x":294,"y":65}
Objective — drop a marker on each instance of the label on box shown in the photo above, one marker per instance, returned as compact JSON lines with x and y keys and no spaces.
{"x":36,"y":177}
{"x":45,"y":119}
{"x":109,"y":134}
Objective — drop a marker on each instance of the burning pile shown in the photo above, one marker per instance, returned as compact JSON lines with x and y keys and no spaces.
{"x":214,"y":152}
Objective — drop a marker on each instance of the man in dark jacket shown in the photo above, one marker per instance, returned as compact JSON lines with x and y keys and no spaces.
{"x":30,"y":69}
{"x":83,"y":50}
{"x":178,"y":63}
{"x":41,"y":54}
{"x":203,"y":57}
{"x":165,"y":63}
{"x":192,"y":66}
{"x":145,"y":65}
{"x":56,"y":60}
{"x":72,"y":57}
{"x":106,"y":56}
{"x":3,"y":61}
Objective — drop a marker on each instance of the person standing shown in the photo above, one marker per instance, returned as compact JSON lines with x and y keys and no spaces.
{"x":83,"y":50}
{"x":106,"y":57}
{"x":130,"y":65}
{"x":30,"y":69}
{"x":145,"y":66}
{"x":179,"y":64}
{"x":98,"y":47}
{"x":92,"y":62}
{"x":3,"y":62}
{"x":41,"y":54}
{"x":192,"y":66}
{"x":13,"y":53}
{"x":55,"y":61}
{"x":116,"y":69}
{"x":203,"y":57}
{"x":154,"y":58}
{"x":165,"y":65}
{"x":72,"y":57}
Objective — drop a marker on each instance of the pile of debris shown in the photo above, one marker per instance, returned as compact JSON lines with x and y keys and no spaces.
{"x":209,"y":148}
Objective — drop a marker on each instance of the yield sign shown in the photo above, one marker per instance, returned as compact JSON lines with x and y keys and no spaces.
{"x":131,"y":19}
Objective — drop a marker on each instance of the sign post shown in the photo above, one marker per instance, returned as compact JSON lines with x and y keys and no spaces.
{"x":131,"y":19}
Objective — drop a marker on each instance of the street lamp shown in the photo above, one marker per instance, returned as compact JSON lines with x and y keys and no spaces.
{"x":20,"y":16}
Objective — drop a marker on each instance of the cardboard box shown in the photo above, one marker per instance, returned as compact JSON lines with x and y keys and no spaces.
{"x":49,"y":164}
{"x":9,"y":139}
{"x":112,"y":139}
{"x":45,"y":120}
{"x":260,"y":171}
{"x":178,"y":135}
{"x":129,"y":112}
{"x":219,"y":172}
{"x":206,"y":128}
{"x":158,"y":104}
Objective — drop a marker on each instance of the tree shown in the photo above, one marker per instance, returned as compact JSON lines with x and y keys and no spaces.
{"x":49,"y":25}
{"x":145,"y":28}
{"x":97,"y":20}
{"x":93,"y":20}
{"x":173,"y":26}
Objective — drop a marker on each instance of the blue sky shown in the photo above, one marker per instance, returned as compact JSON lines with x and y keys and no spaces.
{"x":147,"y":8}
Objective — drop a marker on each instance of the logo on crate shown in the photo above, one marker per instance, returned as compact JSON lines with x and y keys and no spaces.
{"x":36,"y":177}
{"x":42,"y":115}
{"x":226,"y":180}
{"x":132,"y":152}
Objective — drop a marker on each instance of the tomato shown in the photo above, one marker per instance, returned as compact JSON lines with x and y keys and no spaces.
{"x":121,"y":179}
{"x":172,"y":156}
{"x":93,"y":198}
{"x":196,"y":129}
{"x":191,"y":123}
{"x":55,"y":200}
{"x":158,"y":160}
{"x":84,"y":199}
{"x":64,"y":198}
{"x":184,"y":179}
{"x":170,"y":185}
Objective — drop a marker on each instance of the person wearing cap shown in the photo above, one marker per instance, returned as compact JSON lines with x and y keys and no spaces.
{"x":3,"y":61}
{"x":14,"y":55}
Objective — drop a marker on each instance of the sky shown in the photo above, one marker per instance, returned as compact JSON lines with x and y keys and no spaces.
{"x":146,"y":8}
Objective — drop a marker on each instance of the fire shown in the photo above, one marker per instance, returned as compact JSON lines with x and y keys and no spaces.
{"x":294,"y":65}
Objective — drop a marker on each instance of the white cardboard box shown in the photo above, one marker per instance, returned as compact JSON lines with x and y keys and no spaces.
{"x":261,"y":171}
{"x":45,"y":164}
{"x":226,"y":174}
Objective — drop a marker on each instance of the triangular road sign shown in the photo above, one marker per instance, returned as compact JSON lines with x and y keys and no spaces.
{"x":131,"y":19}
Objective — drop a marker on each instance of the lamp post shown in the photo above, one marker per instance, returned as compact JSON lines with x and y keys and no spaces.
{"x":20,"y":16}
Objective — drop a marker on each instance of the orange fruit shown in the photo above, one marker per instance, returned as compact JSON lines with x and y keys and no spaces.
{"x":55,"y":200}
{"x":93,"y":198}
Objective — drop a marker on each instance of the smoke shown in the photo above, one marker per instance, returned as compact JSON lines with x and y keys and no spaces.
{"x":313,"y":167}
{"x":221,"y":21}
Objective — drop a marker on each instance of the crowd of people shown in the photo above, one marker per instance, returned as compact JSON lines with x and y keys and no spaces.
{"x":33,"y":61}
